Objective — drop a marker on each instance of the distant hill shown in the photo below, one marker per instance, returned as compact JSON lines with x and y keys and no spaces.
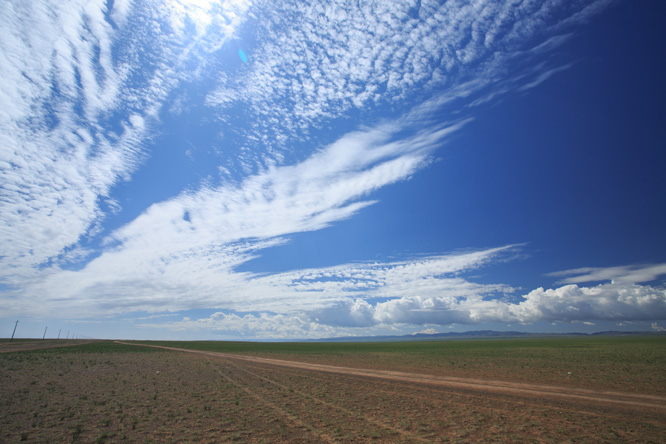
{"x":480,"y":334}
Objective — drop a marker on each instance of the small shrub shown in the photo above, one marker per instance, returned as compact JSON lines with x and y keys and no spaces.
{"x":77,"y":432}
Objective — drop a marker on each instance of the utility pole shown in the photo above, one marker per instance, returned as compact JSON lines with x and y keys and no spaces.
{"x":59,"y":333}
{"x":13,"y":332}
{"x":67,"y":335}
{"x":45,"y":328}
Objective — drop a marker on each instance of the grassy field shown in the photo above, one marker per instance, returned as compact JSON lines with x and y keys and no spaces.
{"x":108,"y":392}
{"x":633,"y":363}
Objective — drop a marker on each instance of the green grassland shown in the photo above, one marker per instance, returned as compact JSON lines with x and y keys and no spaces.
{"x":621,"y":363}
{"x":94,"y":346}
{"x":604,"y":362}
{"x":463,"y":347}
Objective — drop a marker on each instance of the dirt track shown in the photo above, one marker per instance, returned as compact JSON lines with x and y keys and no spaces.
{"x":575,"y":395}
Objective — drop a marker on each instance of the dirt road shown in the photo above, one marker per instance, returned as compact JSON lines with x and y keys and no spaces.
{"x":620,"y":399}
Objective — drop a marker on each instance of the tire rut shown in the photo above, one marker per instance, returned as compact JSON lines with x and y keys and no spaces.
{"x":426,"y":393}
{"x":378,"y":423}
{"x":282,"y":412}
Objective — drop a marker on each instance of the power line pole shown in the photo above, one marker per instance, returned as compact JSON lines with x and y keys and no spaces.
{"x":13,"y":332}
{"x":59,"y":333}
{"x":44,"y":337}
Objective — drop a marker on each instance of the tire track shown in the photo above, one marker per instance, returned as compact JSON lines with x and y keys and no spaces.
{"x":290,"y":417}
{"x":455,"y":399}
{"x":426,"y":394}
{"x":378,"y":423}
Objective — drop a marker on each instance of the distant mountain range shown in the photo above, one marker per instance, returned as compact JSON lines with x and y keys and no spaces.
{"x":478,"y":334}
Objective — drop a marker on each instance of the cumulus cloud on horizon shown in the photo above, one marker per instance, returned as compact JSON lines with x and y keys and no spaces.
{"x":366,"y":298}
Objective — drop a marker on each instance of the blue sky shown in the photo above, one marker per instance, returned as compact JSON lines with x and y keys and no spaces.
{"x":280,"y":170}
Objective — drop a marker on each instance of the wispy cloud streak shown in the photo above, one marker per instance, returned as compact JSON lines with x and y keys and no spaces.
{"x":623,"y":274}
{"x":213,"y":230}
{"x":345,"y":57}
{"x":81,"y":87}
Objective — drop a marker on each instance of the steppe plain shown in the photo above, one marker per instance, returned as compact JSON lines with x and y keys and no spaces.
{"x":542,"y":390}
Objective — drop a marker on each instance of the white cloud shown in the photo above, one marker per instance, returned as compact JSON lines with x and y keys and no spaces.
{"x":621,"y":274}
{"x":120,"y":11}
{"x":76,"y":104}
{"x":80,"y":93}
{"x":276,"y":326}
{"x":55,"y":162}
{"x":542,"y":77}
{"x":212,"y":231}
{"x":446,"y":306}
{"x":428,"y":331}
{"x":603,"y":302}
{"x":307,"y":196}
{"x":343,"y":57}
